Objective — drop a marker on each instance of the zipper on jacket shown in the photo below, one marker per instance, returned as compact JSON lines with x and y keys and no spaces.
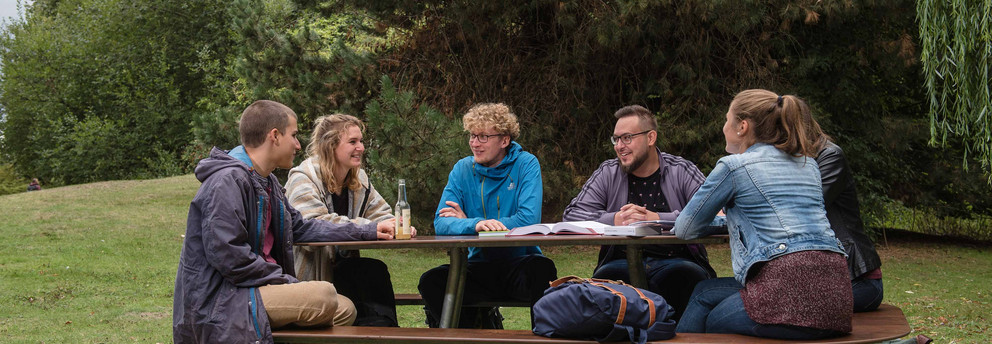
{"x":258,"y":226}
{"x":253,"y":305}
{"x":482,"y":196}
{"x":497,"y":207}
{"x":282,"y":217}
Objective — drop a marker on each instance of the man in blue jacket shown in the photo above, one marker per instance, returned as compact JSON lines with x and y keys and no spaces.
{"x":236,"y":279}
{"x":497,"y":188}
{"x":644,"y":183}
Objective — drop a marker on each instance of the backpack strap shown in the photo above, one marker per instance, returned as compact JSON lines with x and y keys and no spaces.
{"x":623,"y":301}
{"x":566,"y":279}
{"x":651,"y":309}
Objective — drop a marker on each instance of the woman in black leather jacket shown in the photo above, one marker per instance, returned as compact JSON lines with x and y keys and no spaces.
{"x":840,"y":197}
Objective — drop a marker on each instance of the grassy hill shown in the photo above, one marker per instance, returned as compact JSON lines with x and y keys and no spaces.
{"x":97,"y":263}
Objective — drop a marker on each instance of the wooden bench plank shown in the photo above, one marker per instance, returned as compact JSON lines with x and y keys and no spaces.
{"x":409,"y":300}
{"x":416,"y":299}
{"x":888,"y":322}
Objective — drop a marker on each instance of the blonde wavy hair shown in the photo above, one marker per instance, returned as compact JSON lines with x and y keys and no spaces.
{"x":327,"y":132}
{"x":496,"y":115}
{"x":784,"y":121}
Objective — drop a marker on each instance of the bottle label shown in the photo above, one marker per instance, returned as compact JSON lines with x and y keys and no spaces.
{"x":402,"y":224}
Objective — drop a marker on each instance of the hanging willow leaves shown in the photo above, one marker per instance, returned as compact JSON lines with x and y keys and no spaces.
{"x":956,"y":42}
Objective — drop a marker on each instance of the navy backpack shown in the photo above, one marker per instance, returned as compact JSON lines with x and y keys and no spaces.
{"x":602,"y":310}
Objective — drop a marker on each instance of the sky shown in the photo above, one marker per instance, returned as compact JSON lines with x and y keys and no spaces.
{"x":8,"y":8}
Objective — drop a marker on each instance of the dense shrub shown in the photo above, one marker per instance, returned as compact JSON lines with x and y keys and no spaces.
{"x":10,"y":182}
{"x":105,"y":89}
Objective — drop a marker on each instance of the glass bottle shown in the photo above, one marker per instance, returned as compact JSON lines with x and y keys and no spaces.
{"x":402,"y":213}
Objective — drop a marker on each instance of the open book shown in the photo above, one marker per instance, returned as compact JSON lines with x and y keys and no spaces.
{"x":560,"y":228}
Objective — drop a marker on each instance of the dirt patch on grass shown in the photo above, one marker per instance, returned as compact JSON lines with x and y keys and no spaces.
{"x":149,"y":315}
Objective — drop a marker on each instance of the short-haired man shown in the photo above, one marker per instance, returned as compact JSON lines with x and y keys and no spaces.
{"x":496,"y":188}
{"x":236,"y":280}
{"x":644,"y":183}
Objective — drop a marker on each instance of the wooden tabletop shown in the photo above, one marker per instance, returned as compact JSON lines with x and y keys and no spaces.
{"x":449,"y":241}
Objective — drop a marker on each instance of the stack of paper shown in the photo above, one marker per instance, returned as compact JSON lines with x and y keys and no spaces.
{"x":638,"y":231}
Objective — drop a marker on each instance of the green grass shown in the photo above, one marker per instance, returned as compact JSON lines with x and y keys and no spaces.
{"x":97,"y":262}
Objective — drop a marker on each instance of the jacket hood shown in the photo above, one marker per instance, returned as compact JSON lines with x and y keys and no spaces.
{"x":503,"y":169}
{"x":219,"y":160}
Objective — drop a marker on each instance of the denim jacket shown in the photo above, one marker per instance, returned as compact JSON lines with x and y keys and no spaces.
{"x":773,"y":202}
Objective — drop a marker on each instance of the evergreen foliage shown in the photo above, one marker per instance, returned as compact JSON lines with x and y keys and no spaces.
{"x":10,"y":182}
{"x":411,"y":142}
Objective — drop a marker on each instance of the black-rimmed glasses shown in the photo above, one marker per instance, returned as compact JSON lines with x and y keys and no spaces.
{"x":626,"y":138}
{"x":482,"y":138}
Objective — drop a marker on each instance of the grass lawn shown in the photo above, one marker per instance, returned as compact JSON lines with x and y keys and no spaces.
{"x":97,"y":263}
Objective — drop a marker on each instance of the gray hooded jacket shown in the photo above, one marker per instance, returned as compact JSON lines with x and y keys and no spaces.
{"x":216,"y":298}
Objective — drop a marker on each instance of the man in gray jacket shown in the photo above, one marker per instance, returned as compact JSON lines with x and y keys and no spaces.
{"x":236,"y":280}
{"x":643,"y":183}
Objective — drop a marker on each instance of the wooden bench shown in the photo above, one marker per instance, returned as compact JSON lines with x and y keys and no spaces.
{"x":415,"y":299}
{"x":888,"y":322}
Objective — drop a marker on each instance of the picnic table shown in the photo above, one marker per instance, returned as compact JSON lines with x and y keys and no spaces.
{"x":457,"y":247}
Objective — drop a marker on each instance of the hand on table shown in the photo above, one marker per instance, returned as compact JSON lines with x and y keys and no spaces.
{"x":631,"y":213}
{"x":384,"y":229}
{"x":489,"y":225}
{"x":454,"y":210}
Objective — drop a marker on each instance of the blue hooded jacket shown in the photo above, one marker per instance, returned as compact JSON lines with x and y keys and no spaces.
{"x":510,"y":192}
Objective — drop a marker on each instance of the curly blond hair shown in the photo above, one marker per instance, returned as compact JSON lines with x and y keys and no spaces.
{"x":495,"y":115}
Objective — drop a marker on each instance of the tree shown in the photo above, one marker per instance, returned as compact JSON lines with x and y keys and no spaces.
{"x":956,"y":42}
{"x":105,"y":89}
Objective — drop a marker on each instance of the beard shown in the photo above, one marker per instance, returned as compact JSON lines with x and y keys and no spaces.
{"x":634,"y":164}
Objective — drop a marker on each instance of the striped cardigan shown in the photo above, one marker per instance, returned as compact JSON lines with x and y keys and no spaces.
{"x":305,"y":192}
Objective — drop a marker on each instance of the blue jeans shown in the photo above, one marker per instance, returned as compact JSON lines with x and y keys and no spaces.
{"x":716,"y":307}
{"x":522,"y":278}
{"x":867,"y":294}
{"x":672,"y":278}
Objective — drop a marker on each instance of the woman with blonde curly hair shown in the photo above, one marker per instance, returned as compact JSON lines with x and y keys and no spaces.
{"x":331,"y":185}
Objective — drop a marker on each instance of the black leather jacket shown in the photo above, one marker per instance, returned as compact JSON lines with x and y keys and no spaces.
{"x":840,"y":197}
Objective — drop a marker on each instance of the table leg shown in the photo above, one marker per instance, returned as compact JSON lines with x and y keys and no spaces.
{"x":452,"y":308}
{"x":320,"y":258}
{"x":635,"y":266}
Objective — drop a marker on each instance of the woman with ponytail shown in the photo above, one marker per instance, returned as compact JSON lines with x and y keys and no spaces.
{"x":790,"y":276}
{"x":331,"y":185}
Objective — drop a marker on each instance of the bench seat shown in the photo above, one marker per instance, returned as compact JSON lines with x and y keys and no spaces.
{"x":416,"y":299}
{"x":888,"y":322}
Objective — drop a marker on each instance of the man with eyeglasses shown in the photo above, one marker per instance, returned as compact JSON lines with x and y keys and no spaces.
{"x":644,"y":183}
{"x":497,"y":188}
